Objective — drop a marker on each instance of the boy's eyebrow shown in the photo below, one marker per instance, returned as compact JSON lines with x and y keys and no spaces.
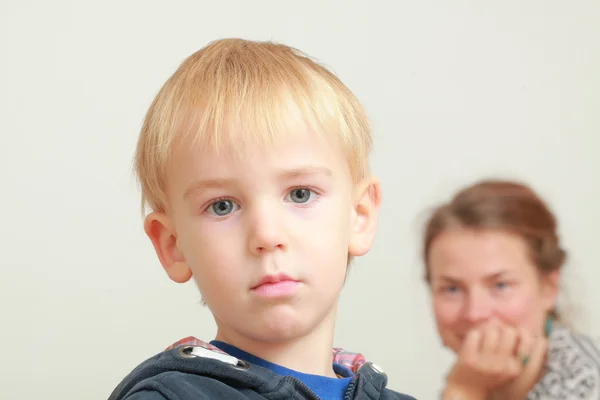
{"x":204,"y":184}
{"x":305,"y":171}
{"x":200,"y":185}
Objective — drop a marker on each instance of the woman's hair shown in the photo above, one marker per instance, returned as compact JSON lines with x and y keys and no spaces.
{"x":505,"y":206}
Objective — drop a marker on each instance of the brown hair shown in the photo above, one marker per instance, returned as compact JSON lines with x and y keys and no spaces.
{"x":500,"y":205}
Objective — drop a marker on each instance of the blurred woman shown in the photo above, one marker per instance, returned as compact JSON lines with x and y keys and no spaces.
{"x":493,"y":264}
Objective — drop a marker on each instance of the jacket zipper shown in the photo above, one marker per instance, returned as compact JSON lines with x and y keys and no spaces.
{"x":350,"y":392}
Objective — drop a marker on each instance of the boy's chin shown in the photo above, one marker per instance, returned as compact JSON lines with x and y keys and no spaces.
{"x":285,"y":329}
{"x":279,"y":336}
{"x":282,"y":327}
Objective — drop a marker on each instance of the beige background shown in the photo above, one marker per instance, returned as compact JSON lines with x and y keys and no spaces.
{"x":456,"y":91}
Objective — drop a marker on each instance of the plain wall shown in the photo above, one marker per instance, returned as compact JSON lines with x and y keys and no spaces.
{"x":456,"y":91}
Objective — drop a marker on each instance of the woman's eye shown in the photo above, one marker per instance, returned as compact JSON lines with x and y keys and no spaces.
{"x":222,"y":207}
{"x":300,"y":195}
{"x":451,"y":290}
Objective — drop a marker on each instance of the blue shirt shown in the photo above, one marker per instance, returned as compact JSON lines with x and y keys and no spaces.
{"x":324,"y":387}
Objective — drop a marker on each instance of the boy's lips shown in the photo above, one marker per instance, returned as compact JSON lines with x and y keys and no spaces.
{"x":275,"y":286}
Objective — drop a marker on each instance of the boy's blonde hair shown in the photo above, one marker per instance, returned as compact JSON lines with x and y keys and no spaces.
{"x":236,"y":92}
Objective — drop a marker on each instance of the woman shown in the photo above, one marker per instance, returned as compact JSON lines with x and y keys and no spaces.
{"x":493,"y":263}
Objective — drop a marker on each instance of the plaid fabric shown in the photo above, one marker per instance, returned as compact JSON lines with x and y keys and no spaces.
{"x":352,"y":361}
{"x":192,"y":341}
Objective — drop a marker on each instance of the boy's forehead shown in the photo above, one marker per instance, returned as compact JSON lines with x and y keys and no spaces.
{"x":238,"y":144}
{"x":300,"y":149}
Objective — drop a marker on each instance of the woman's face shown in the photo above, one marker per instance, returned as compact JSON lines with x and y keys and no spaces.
{"x":478,"y":275}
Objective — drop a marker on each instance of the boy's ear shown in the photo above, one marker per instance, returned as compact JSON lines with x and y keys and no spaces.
{"x":159,"y":229}
{"x":367,"y":200}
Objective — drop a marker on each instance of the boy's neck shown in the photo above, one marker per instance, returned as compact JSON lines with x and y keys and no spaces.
{"x":310,"y":354}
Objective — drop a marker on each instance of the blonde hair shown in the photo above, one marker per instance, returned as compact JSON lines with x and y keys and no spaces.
{"x":236,"y":92}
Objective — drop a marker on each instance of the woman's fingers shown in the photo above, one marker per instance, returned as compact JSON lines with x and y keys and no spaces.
{"x":533,"y":355}
{"x":536,"y":357}
{"x":508,"y":340}
{"x":491,"y":338}
{"x":471,"y":346}
{"x":524,"y":347}
{"x":497,"y":356}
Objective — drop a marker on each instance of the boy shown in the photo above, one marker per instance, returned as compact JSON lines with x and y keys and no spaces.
{"x":254,"y":162}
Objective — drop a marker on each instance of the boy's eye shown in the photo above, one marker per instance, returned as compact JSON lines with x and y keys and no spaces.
{"x":501,"y":285}
{"x":222,"y":207}
{"x":300,"y":195}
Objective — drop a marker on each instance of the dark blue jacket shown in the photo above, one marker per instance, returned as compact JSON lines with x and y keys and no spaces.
{"x":195,"y":373}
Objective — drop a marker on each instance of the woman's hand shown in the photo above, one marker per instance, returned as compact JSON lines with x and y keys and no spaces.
{"x":530,"y":374}
{"x":491,"y":359}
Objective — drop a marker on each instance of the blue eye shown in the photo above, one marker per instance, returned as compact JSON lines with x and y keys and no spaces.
{"x":451,"y":289}
{"x":501,"y":285}
{"x":300,"y":195}
{"x":222,"y":207}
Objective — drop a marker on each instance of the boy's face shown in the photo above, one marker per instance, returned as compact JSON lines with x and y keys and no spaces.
{"x":267,"y":239}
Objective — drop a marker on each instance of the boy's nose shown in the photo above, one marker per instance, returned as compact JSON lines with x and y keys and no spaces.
{"x":266,"y":232}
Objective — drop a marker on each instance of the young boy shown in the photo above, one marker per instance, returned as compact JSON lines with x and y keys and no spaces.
{"x":254,"y":161}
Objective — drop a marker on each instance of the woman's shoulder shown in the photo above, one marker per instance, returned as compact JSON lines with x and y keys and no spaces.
{"x":565,"y":344}
{"x":572,"y":367}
